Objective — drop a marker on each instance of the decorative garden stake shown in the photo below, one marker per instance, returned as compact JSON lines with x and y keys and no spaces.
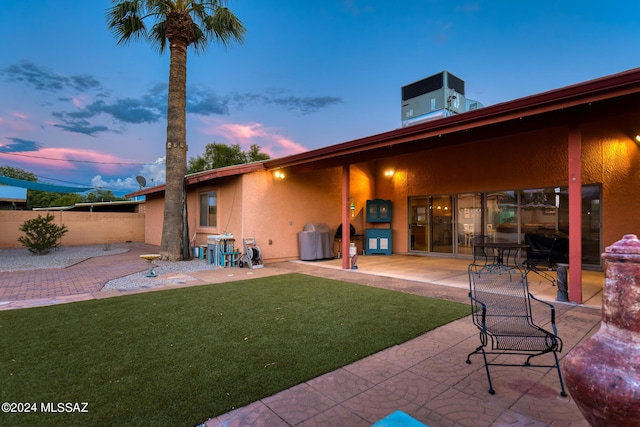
{"x":602,"y":373}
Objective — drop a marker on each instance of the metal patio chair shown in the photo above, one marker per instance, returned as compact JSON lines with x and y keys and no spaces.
{"x":501,"y":310}
{"x":545,"y":251}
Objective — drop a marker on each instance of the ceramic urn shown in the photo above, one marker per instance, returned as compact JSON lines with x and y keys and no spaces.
{"x":602,"y":372}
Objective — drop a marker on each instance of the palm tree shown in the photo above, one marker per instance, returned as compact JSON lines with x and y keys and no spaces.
{"x":182,"y":23}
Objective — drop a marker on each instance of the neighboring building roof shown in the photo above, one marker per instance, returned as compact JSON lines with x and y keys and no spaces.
{"x":41,"y":186}
{"x":593,"y":98}
{"x":12,"y":194}
{"x":115,"y":206}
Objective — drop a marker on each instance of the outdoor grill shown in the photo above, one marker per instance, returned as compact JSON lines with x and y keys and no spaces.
{"x":316,"y":242}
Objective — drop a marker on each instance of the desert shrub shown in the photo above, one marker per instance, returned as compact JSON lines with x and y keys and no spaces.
{"x":41,"y":234}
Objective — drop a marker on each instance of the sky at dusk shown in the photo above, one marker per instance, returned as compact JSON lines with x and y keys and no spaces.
{"x":76,"y":108}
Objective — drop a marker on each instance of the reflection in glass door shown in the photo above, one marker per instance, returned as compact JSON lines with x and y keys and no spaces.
{"x":502,"y":216}
{"x":469,"y":220}
{"x":447,"y":224}
{"x":591,"y":225}
{"x":441,"y":224}
{"x":419,"y":208}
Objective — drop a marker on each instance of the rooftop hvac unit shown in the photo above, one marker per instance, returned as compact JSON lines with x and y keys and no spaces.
{"x":437,"y":96}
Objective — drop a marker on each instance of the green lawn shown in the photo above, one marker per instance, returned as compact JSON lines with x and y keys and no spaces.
{"x":179,"y":357}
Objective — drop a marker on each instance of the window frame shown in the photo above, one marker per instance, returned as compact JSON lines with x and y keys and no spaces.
{"x":204,"y":211}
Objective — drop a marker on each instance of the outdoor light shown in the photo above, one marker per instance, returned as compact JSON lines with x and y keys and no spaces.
{"x":638,"y":138}
{"x":353,"y":209}
{"x":389,"y":173}
{"x":279,"y":174}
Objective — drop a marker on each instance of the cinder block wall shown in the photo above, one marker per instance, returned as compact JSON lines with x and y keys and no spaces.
{"x":85,"y":228}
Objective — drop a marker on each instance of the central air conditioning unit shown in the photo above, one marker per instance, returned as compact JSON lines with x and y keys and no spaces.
{"x":437,"y":96}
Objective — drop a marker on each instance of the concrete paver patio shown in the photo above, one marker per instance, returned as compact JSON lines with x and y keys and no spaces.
{"x":426,"y":377}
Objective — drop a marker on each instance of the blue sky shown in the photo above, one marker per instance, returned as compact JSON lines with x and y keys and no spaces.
{"x":77,"y":108}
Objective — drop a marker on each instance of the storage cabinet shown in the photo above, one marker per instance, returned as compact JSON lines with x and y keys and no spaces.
{"x":378,"y":240}
{"x":379,"y":210}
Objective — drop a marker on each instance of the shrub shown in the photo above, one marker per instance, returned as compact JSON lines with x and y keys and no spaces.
{"x":41,"y":234}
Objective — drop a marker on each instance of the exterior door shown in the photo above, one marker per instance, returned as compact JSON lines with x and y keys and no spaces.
{"x":469,"y":220}
{"x":418,"y":230}
{"x":441,"y":224}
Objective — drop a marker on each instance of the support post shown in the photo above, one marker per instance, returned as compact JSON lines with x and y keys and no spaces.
{"x":575,"y":213}
{"x":346,"y":220}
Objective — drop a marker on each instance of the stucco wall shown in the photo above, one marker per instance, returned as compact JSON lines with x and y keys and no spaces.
{"x":613,"y":158}
{"x":229,"y":210}
{"x":536,"y":160}
{"x":85,"y":228}
{"x":271,"y":210}
{"x":275,"y":210}
{"x":154,"y":208}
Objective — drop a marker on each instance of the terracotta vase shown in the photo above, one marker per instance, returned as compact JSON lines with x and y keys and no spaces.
{"x":602,"y":373}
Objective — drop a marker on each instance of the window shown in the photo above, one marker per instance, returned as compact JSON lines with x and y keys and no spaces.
{"x":208,"y":209}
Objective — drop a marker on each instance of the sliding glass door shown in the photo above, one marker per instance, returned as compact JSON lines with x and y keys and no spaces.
{"x":418,"y":230}
{"x":447,"y":224}
{"x":431,"y":224}
{"x":441,"y":224}
{"x":469,"y":221}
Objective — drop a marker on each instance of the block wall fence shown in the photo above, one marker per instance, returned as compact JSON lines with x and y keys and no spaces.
{"x":84,"y":228}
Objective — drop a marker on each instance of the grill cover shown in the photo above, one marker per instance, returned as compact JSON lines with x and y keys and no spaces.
{"x":315,"y":241}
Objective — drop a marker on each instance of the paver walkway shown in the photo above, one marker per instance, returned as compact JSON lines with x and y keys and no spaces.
{"x":74,"y":283}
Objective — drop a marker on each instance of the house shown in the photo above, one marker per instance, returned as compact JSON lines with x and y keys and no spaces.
{"x":563,"y":161}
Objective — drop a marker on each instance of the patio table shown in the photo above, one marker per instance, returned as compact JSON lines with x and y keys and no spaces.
{"x":498,"y":254}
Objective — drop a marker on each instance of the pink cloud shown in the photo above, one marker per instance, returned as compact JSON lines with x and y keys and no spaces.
{"x":16,"y":123}
{"x":20,"y":115}
{"x":79,"y":102}
{"x":64,"y":159}
{"x":270,"y":140}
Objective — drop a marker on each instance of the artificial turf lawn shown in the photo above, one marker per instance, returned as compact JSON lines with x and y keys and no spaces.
{"x":179,"y":357}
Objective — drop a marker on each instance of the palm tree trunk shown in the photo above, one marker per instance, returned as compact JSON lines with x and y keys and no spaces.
{"x":176,"y":161}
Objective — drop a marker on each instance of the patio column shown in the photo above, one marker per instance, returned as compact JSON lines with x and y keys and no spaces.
{"x":575,"y":214}
{"x":346,"y":220}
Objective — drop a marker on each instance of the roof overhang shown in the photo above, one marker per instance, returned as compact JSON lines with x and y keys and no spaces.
{"x":552,"y":108}
{"x":205,"y":177}
{"x":605,"y":96}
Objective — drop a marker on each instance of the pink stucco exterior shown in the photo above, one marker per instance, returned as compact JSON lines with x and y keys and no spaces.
{"x":274,"y":210}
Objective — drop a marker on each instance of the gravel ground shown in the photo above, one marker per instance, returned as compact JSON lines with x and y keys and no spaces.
{"x":17,"y":259}
{"x":166,"y":272}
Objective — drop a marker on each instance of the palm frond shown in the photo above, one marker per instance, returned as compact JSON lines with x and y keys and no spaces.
{"x":212,"y":22}
{"x":124,"y":21}
{"x":224,"y":26}
{"x":158,"y":36}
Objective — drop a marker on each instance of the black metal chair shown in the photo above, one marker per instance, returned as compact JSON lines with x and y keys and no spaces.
{"x":545,"y":251}
{"x":501,"y":310}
